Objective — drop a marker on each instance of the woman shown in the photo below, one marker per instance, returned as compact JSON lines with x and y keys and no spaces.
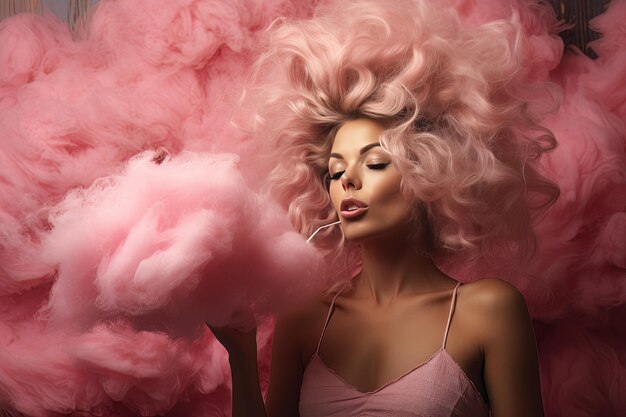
{"x":409,"y":130}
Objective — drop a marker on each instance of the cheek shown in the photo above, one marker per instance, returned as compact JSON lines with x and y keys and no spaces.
{"x":387,"y":190}
{"x":334,"y":193}
{"x":390,"y":200}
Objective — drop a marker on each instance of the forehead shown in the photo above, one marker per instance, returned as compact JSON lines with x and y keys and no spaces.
{"x":354,"y":134}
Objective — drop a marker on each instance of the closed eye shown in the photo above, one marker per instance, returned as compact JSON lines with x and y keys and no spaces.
{"x":382,"y":165}
{"x":336,"y":175}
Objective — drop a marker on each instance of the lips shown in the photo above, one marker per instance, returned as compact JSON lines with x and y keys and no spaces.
{"x":352,"y":208}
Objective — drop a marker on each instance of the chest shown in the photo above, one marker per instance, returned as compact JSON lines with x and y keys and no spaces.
{"x":368,"y":348}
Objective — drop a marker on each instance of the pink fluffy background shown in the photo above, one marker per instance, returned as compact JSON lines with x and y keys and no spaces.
{"x":95,"y":321}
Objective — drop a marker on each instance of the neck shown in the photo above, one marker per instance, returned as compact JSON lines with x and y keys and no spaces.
{"x":393,"y":268}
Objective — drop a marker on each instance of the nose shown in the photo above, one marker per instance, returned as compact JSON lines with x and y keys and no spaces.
{"x":350,"y":179}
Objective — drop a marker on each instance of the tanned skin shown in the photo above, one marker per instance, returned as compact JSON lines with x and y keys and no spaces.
{"x":394,"y":316}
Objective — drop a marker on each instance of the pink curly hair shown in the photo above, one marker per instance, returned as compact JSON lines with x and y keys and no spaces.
{"x":459,"y":131}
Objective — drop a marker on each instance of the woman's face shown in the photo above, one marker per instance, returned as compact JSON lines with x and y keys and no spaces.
{"x":365,"y":185}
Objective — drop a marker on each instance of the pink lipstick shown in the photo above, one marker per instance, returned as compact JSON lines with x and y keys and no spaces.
{"x":352,"y":208}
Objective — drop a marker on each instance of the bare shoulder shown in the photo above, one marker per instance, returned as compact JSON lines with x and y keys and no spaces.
{"x":290,"y":341}
{"x":493,"y":293}
{"x":303,"y":324}
{"x":305,"y":313}
{"x":505,"y":329}
{"x":494,"y":304}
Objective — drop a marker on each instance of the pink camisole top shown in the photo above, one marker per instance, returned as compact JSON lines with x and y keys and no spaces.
{"x":436,"y":388}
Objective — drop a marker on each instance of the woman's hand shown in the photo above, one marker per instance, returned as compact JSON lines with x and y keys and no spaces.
{"x":239,"y":337}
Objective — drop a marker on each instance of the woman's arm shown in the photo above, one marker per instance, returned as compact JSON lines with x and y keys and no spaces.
{"x":511,"y":370}
{"x":247,"y":400}
{"x":285,"y":374}
{"x":283,"y":394}
{"x":246,"y":397}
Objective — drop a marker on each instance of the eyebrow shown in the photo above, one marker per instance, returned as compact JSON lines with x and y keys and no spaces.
{"x":361,"y":151}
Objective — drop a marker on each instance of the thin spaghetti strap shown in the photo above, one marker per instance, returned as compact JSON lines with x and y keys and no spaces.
{"x":330,"y":310}
{"x":452,"y":305}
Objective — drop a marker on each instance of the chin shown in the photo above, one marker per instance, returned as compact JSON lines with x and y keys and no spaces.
{"x":362,"y":230}
{"x":360,"y":233}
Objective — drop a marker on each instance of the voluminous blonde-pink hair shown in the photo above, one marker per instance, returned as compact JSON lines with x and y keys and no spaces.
{"x":460,"y":132}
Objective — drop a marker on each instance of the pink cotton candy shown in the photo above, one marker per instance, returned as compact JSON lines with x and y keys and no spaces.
{"x":174,"y":244}
{"x":612,"y":59}
{"x":39,"y":376}
{"x":112,"y":370}
{"x":73,"y":110}
{"x":143,"y":75}
{"x":146,"y":372}
{"x":592,"y":177}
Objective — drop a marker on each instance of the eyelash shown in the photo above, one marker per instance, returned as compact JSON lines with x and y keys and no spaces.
{"x":338,"y":174}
